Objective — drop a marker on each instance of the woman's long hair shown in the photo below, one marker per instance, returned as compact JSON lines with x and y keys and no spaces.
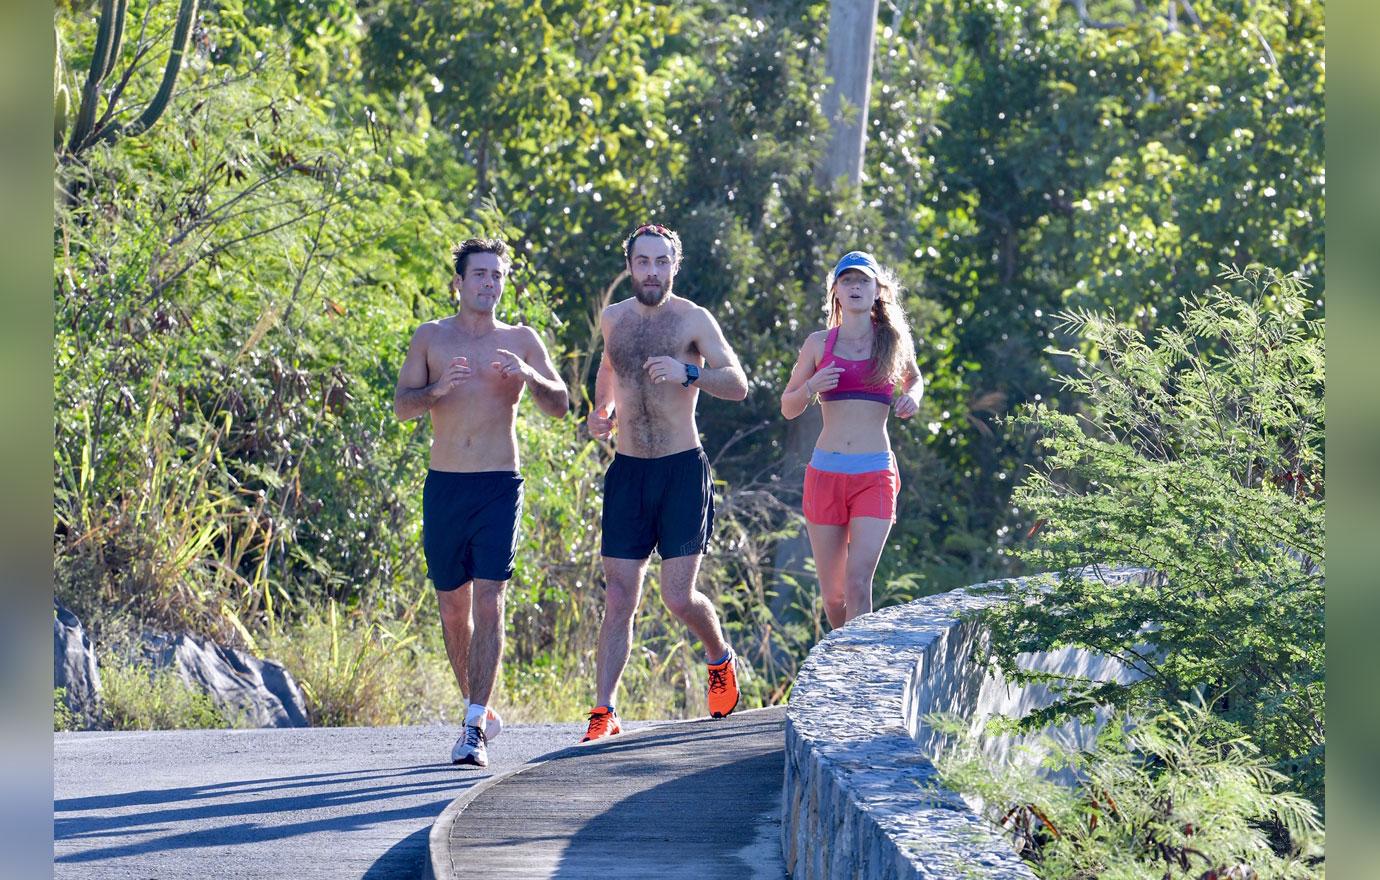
{"x":892,"y":345}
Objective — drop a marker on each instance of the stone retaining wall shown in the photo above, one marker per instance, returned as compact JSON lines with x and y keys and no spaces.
{"x":860,"y":797}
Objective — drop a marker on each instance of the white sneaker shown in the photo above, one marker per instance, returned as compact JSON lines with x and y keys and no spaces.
{"x":493,"y":725}
{"x":493,"y":722}
{"x":469,"y":748}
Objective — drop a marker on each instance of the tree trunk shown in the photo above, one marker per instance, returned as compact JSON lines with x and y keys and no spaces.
{"x":848,"y":64}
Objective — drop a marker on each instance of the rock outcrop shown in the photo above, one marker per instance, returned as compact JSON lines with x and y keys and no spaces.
{"x":250,"y":691}
{"x":74,"y":666}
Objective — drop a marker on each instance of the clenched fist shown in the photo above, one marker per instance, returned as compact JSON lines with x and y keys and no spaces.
{"x":826,"y":379}
{"x":509,"y":363}
{"x":456,"y":373}
{"x":601,"y":422}
{"x":664,"y":369}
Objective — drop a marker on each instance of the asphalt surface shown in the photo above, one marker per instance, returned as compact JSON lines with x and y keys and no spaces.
{"x":307,"y":803}
{"x":696,"y":800}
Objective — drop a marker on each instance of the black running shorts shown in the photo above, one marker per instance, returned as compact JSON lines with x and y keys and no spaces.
{"x":470,"y":525}
{"x":665,"y":503}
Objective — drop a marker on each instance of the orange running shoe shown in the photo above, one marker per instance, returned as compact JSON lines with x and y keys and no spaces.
{"x":723,"y":687}
{"x":603,"y":722}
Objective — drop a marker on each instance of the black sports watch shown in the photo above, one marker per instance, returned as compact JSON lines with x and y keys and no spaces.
{"x":692,"y":373}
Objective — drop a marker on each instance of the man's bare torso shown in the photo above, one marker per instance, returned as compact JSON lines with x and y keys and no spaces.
{"x":473,"y":426}
{"x":653,"y":419}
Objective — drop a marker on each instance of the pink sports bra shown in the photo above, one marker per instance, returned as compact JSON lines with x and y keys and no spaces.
{"x":853,"y":380}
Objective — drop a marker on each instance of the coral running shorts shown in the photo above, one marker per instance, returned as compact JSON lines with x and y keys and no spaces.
{"x":836,"y":490}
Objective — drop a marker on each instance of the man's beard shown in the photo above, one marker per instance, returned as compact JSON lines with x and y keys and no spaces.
{"x":651,"y":296}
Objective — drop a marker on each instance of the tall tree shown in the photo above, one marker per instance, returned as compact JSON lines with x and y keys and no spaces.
{"x":848,"y":65}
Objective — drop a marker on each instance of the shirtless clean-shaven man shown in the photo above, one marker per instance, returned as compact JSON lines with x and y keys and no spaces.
{"x":660,"y":351}
{"x":468,"y":371}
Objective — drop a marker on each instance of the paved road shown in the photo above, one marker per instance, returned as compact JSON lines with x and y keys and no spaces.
{"x":333,"y":803}
{"x":699,"y":800}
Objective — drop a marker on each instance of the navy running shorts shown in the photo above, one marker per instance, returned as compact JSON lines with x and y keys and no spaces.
{"x":666,"y":503}
{"x":470,"y":526}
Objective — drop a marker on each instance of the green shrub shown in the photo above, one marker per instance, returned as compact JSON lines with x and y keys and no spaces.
{"x":136,"y":696}
{"x":1161,"y":798}
{"x":63,"y":718}
{"x":1199,"y":456}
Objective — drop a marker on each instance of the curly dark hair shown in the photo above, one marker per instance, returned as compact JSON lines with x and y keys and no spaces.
{"x":461,"y":252}
{"x":652,"y":229}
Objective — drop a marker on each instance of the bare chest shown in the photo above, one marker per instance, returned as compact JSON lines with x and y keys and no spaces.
{"x":481,"y":353}
{"x":636,"y":338}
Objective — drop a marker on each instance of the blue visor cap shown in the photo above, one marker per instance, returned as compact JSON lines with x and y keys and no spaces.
{"x":860,"y":260}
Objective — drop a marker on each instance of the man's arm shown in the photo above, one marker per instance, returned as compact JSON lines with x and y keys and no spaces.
{"x":413,"y":396}
{"x":601,"y":418}
{"x":722,"y":375}
{"x":540,"y":375}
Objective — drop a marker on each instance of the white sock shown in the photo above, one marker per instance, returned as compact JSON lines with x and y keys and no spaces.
{"x":475,"y":715}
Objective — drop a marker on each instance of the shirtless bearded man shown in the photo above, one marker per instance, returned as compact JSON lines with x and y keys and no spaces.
{"x":660,"y":351}
{"x":469,"y":370}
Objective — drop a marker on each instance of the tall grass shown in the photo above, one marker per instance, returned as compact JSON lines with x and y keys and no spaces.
{"x":353,"y":670}
{"x":179,"y":540}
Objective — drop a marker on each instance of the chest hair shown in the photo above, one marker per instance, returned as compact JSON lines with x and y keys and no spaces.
{"x":635,"y":338}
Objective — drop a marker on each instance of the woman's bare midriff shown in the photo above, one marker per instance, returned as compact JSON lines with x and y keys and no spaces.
{"x":854,"y":426}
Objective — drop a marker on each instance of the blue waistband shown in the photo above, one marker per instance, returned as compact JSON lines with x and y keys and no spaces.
{"x":850,"y":462}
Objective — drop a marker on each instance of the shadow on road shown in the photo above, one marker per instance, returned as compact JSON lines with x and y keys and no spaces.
{"x":365,"y":797}
{"x":219,"y":789}
{"x":407,"y":858}
{"x":695,"y":800}
{"x":720,"y":822}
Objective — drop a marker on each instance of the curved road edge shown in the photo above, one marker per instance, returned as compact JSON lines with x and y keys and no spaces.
{"x":439,"y":864}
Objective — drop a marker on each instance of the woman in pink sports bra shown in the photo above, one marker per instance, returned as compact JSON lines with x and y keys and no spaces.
{"x":854,"y":367}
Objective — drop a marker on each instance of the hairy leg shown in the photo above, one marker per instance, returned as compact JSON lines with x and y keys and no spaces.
{"x":692,"y":607}
{"x":486,"y":649}
{"x":622,"y":592}
{"x":456,"y":627}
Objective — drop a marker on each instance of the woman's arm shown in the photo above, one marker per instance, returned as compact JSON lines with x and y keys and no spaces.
{"x":807,"y":379}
